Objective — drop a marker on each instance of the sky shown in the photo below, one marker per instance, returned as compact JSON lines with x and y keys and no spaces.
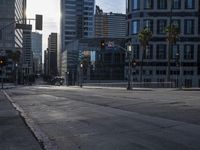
{"x":51,"y":13}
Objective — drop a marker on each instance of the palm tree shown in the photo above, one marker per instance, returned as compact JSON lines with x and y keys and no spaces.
{"x":173,"y":34}
{"x":15,"y":56}
{"x":86,"y":64}
{"x":144,"y":37}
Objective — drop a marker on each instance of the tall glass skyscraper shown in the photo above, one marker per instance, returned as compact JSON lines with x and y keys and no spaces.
{"x":11,"y":11}
{"x":36,"y":46}
{"x":11,"y":39}
{"x":77,"y":20}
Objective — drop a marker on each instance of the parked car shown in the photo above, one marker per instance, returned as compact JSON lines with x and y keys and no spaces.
{"x":57,"y":81}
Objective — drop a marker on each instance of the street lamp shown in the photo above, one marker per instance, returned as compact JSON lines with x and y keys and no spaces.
{"x":177,"y":65}
{"x":81,"y":75}
{"x":134,"y":64}
{"x":67,"y":80}
{"x":129,"y":50}
{"x":16,"y":65}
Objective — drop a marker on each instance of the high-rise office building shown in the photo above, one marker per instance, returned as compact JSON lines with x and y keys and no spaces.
{"x":46,"y":62}
{"x":11,"y":39}
{"x":111,"y":25}
{"x":185,"y":54}
{"x":27,"y":53}
{"x":52,"y":54}
{"x":77,"y":20}
{"x":36,"y":40}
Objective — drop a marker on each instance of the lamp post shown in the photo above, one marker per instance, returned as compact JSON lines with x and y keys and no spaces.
{"x":129,"y":50}
{"x":177,"y":65}
{"x":180,"y":68}
{"x":134,"y":64}
{"x":81,"y":75}
{"x":2,"y":71}
{"x":24,"y":72}
{"x":67,"y":78}
{"x":16,"y":65}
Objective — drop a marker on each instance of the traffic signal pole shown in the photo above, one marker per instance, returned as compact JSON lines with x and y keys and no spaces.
{"x":1,"y":77}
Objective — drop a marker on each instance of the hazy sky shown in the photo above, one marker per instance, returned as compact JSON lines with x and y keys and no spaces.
{"x":50,"y":11}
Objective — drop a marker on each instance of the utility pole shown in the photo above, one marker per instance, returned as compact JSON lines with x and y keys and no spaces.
{"x":2,"y":64}
{"x":1,"y":77}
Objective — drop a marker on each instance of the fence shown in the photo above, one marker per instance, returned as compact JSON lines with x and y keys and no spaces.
{"x":134,"y":84}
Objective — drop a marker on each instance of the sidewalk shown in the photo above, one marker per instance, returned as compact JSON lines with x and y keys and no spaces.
{"x":8,"y":85}
{"x":14,"y":134}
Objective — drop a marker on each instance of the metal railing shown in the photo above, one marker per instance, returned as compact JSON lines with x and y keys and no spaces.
{"x":134,"y":84}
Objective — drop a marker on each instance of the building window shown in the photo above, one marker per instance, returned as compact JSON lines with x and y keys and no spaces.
{"x":147,"y":80}
{"x":177,"y":23}
{"x":148,"y":4}
{"x":135,"y":4}
{"x":162,"y":4}
{"x":189,"y":4}
{"x":161,"y":26}
{"x":175,"y":51}
{"x":189,"y":26}
{"x":161,"y":72}
{"x":191,"y":73}
{"x":135,"y":26}
{"x":149,"y":24}
{"x":136,"y":54}
{"x":176,"y":4}
{"x":189,"y":52}
{"x":188,"y":83}
{"x":160,"y":80}
{"x":161,"y":51}
{"x":148,"y":53}
{"x":199,"y":83}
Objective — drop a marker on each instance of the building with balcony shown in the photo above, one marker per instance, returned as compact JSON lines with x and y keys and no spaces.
{"x":184,"y":56}
{"x":110,"y":25}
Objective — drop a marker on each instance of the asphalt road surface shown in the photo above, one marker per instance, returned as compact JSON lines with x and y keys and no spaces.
{"x":113,"y":119}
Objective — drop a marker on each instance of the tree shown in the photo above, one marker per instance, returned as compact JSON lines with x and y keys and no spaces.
{"x":144,"y":37}
{"x":173,"y":34}
{"x":15,"y":56}
{"x":86,"y":65}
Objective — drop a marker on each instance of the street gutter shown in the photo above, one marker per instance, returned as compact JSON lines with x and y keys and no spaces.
{"x":41,"y":137}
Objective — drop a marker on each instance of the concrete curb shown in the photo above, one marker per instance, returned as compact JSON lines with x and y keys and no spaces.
{"x":42,"y":138}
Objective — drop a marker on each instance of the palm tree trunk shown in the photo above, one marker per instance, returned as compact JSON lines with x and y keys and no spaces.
{"x":168,"y":62}
{"x":141,"y":66}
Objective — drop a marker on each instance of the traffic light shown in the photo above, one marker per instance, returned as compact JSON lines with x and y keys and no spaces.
{"x":38,"y":22}
{"x":2,"y":61}
{"x":134,"y":63}
{"x":102,"y":44}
